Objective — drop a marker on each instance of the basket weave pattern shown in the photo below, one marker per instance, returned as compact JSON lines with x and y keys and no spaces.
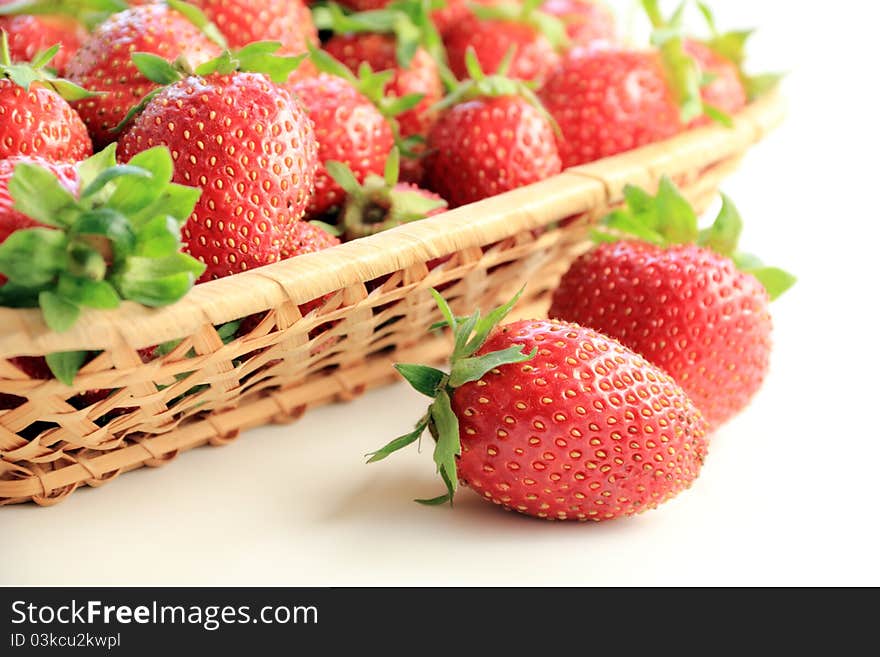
{"x":376,"y":309}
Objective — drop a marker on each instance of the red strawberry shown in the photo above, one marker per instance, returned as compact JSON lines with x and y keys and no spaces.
{"x":286,"y":21}
{"x":349,"y":128}
{"x":609,"y":101}
{"x":405,"y":53}
{"x":10,"y":219}
{"x":35,"y":118}
{"x":556,"y":421}
{"x":30,"y":35}
{"x":381,"y":202}
{"x":725,"y":91}
{"x":247,"y":143}
{"x":588,"y":23}
{"x":685,"y":307}
{"x":306,"y":237}
{"x":104,"y":62}
{"x":493,"y":31}
{"x":494,"y":136}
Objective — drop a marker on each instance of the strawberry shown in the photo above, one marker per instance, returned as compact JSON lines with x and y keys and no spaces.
{"x":588,"y":23}
{"x":244,"y":140}
{"x":35,"y":117}
{"x":91,"y":237}
{"x":492,"y":136}
{"x":354,"y":123}
{"x":400,"y":39}
{"x":104,"y":61}
{"x":555,"y":421}
{"x":30,"y":35}
{"x":381,"y":202}
{"x":609,"y":101}
{"x":287,"y":21}
{"x":684,"y":299}
{"x":493,"y":31}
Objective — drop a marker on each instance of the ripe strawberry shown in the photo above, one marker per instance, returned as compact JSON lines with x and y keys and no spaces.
{"x":725,"y":91}
{"x":381,"y":202}
{"x":555,"y":421}
{"x":609,"y":101}
{"x":406,"y":44}
{"x":679,"y":299}
{"x":104,"y":62}
{"x":349,"y":125}
{"x":245,"y":141}
{"x":495,"y":30}
{"x":287,"y":21}
{"x":493,"y":136}
{"x":588,"y":23}
{"x":30,"y":35}
{"x":35,"y":117}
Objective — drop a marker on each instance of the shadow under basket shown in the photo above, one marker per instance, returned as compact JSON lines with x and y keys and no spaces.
{"x":375,"y":310}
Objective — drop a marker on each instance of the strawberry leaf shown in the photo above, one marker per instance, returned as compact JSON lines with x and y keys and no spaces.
{"x":448,"y":445}
{"x":467,"y":370}
{"x":723,"y":236}
{"x":399,"y":443}
{"x":424,"y":379}
{"x":776,"y":281}
{"x":88,"y":293}
{"x":65,"y":365}
{"x":33,"y":257}
{"x":39,"y":194}
{"x":59,"y":313}
{"x":155,"y":69}
{"x":158,"y":282}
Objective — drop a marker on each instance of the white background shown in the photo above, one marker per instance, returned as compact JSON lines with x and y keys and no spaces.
{"x":788,"y":495}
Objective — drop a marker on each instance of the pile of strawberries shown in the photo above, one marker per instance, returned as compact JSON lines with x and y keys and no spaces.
{"x":151,"y":145}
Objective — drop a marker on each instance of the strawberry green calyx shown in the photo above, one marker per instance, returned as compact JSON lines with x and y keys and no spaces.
{"x":682,"y":70}
{"x":369,"y":83}
{"x":117,"y":238}
{"x":470,"y":335}
{"x":667,"y":219}
{"x":527,"y":13}
{"x":732,"y":46}
{"x":408,"y":20}
{"x":87,"y":12}
{"x":379,"y":204}
{"x":257,"y":57}
{"x":36,"y":72}
{"x":480,"y":85}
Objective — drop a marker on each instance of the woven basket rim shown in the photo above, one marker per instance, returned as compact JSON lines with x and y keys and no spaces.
{"x":575,"y":190}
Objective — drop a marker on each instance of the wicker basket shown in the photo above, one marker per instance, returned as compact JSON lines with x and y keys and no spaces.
{"x":376,"y":310}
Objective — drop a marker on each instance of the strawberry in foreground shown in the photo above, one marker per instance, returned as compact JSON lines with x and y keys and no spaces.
{"x":685,"y":299}
{"x":234,"y":131}
{"x":112,"y":235}
{"x":495,"y":29}
{"x":104,"y":62}
{"x":35,"y":117}
{"x":381,"y":202}
{"x":555,"y":421}
{"x":493,"y":135}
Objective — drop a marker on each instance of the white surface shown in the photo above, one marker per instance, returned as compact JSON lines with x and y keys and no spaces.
{"x":788,"y":494}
